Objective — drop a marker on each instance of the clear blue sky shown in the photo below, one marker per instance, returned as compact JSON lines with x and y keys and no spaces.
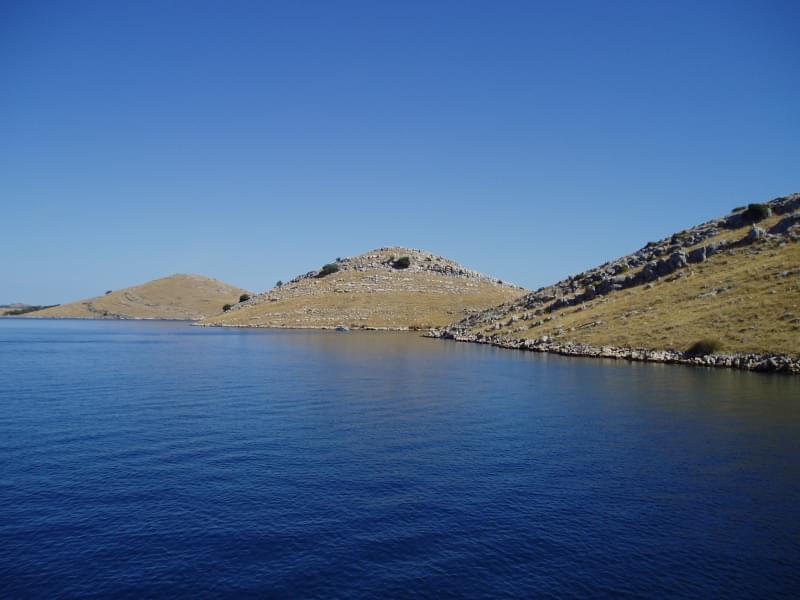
{"x":252,"y":141}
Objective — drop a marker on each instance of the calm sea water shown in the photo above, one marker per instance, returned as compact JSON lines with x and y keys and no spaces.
{"x":147,"y":459}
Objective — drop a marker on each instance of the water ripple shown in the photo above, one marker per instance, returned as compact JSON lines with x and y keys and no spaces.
{"x":158,"y":460}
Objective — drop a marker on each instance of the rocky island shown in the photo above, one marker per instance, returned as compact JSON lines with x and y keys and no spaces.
{"x":723,"y":293}
{"x":178,"y":297}
{"x":392,"y":288}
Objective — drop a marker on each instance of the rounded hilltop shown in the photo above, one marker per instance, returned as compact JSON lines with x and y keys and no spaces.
{"x":391,"y":258}
{"x":392,"y":287}
{"x":182,"y":296}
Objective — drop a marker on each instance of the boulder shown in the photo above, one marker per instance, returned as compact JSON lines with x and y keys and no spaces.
{"x":786,"y":204}
{"x":649,"y":272}
{"x":677,"y":260}
{"x":697,"y":255}
{"x":714,"y":248}
{"x":604,"y":287}
{"x":785,"y":224}
{"x":755,"y":234}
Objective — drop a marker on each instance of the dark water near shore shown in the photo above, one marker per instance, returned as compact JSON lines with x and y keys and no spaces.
{"x":142,"y":459}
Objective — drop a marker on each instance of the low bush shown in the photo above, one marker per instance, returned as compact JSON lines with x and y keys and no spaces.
{"x":402,"y":263}
{"x":226,"y":308}
{"x":756,"y":213}
{"x":279,"y":283}
{"x":244,"y":297}
{"x":328,"y":269}
{"x":703,"y":348}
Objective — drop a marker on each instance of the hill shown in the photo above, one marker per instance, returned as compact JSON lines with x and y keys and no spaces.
{"x":184,"y":297}
{"x":387,"y":288}
{"x":18,"y":308}
{"x":733,"y":282}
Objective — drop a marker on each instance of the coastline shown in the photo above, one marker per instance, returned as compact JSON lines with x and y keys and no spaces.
{"x":304,"y":327}
{"x":87,"y":318}
{"x":762,"y":363}
{"x":765,"y":362}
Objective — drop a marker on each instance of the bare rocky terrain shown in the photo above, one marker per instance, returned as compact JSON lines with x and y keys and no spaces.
{"x":386,"y":288}
{"x":733,"y":282}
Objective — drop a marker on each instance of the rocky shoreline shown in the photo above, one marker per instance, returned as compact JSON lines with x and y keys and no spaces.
{"x":303,"y":327}
{"x":764,"y":363}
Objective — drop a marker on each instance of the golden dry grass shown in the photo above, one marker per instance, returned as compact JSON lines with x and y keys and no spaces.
{"x":185,"y":297}
{"x":744,"y":299}
{"x":372,"y":298}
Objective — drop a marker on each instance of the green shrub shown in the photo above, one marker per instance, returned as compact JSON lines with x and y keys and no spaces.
{"x":328,"y":269}
{"x":739,"y":209}
{"x":226,"y":308}
{"x":279,"y":283}
{"x":108,"y":292}
{"x":244,"y":297}
{"x":703,"y":348}
{"x":402,"y":263}
{"x":756,"y":213}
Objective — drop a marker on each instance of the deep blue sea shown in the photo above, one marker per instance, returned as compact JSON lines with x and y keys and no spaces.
{"x":160,"y":460}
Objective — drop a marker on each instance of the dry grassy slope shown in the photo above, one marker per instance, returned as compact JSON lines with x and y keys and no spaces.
{"x":747,"y":298}
{"x":369,"y":293}
{"x":4,"y":308}
{"x":188,"y":297}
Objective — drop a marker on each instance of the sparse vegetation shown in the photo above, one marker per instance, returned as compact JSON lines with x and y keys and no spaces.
{"x":108,"y":292}
{"x":368,"y":292}
{"x":328,"y":269}
{"x":279,"y":283}
{"x":402,"y":263}
{"x":703,"y":348}
{"x":227,"y":307}
{"x":736,"y":299}
{"x":189,"y":297}
{"x":244,"y":297}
